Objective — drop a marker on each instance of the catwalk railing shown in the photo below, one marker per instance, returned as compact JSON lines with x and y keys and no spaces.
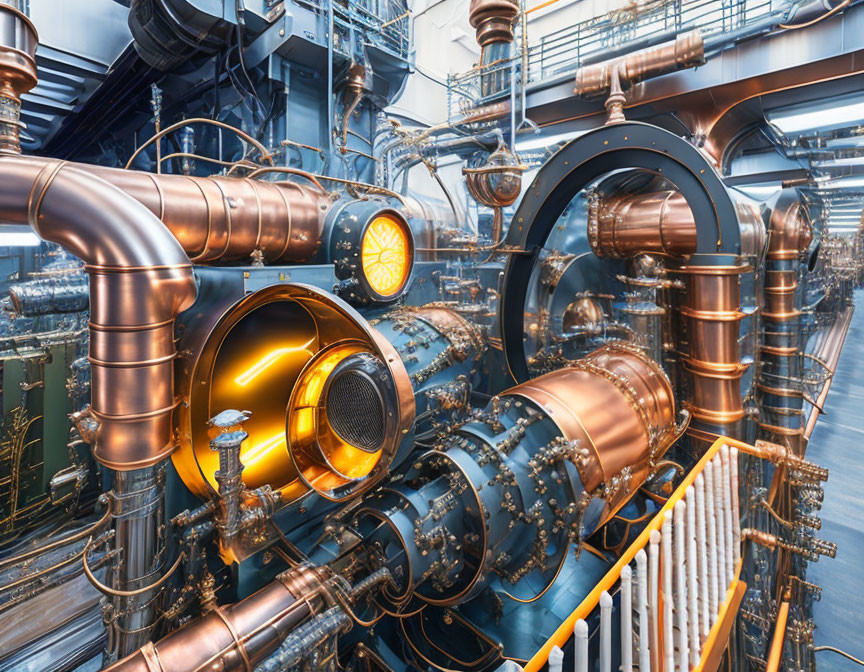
{"x":562,"y":52}
{"x":678,"y":585}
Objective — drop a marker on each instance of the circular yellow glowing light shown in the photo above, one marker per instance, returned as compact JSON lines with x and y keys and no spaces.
{"x":386,"y":253}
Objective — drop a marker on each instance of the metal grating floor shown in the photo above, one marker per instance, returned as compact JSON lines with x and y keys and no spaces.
{"x":838,"y":444}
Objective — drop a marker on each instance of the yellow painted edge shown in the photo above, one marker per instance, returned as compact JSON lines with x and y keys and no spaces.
{"x":776,"y":653}
{"x":712,"y":642}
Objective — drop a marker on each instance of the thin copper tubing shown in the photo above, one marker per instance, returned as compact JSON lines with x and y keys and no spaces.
{"x":201,"y":120}
{"x":40,"y":550}
{"x":140,"y":280}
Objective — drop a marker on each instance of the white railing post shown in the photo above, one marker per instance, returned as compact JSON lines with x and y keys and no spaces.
{"x":727,"y":514}
{"x":704,"y":584}
{"x":736,"y":510}
{"x":642,"y":607}
{"x":580,"y":635}
{"x":692,"y":576}
{"x":668,"y":598}
{"x":714,"y":562}
{"x":626,"y":619}
{"x":653,"y":588}
{"x":682,"y":612}
{"x":605,"y":632}
{"x":556,"y":660}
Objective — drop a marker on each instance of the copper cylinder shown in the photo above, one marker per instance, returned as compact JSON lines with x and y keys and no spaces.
{"x":780,"y":289}
{"x":658,"y":222}
{"x":140,"y":280}
{"x":223,"y":219}
{"x":237,"y":637}
{"x":711,"y":311}
{"x":616,"y":402}
{"x":18,"y":40}
{"x":686,"y":51}
{"x":493,"y":20}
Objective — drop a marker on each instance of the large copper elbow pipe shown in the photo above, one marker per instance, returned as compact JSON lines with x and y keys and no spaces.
{"x":228,"y":219}
{"x":140,"y":280}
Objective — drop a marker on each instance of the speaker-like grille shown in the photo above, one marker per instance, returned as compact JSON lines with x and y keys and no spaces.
{"x":355,"y":411}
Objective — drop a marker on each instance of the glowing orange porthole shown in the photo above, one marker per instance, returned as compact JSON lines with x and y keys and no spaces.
{"x":386,"y":255}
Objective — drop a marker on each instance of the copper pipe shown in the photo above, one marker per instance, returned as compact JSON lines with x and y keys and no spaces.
{"x":712,"y":318}
{"x":225,"y":219}
{"x":615,"y":402}
{"x":790,"y":233}
{"x":18,"y":41}
{"x":493,"y":21}
{"x":140,"y":279}
{"x":622,"y":226}
{"x":686,"y":51}
{"x":781,"y":413}
{"x":237,"y":637}
{"x":262,"y":150}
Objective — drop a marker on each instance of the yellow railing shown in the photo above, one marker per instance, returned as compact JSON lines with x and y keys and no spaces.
{"x":715,"y":643}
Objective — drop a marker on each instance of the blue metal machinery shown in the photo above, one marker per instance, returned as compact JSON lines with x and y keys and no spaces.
{"x":361,"y":428}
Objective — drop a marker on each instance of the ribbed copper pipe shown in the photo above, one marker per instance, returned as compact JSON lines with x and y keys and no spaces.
{"x":615,"y":401}
{"x":18,"y":41}
{"x":711,"y":312}
{"x":781,"y":398}
{"x":140,"y":280}
{"x":686,"y":51}
{"x":237,"y":637}
{"x":224,"y":219}
{"x":493,"y":20}
{"x":659,"y":222}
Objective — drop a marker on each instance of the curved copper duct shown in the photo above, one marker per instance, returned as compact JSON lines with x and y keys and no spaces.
{"x":662,"y":222}
{"x":227,"y":219}
{"x":140,"y":279}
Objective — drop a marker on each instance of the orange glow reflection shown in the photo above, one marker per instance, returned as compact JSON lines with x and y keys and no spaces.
{"x":268,"y":360}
